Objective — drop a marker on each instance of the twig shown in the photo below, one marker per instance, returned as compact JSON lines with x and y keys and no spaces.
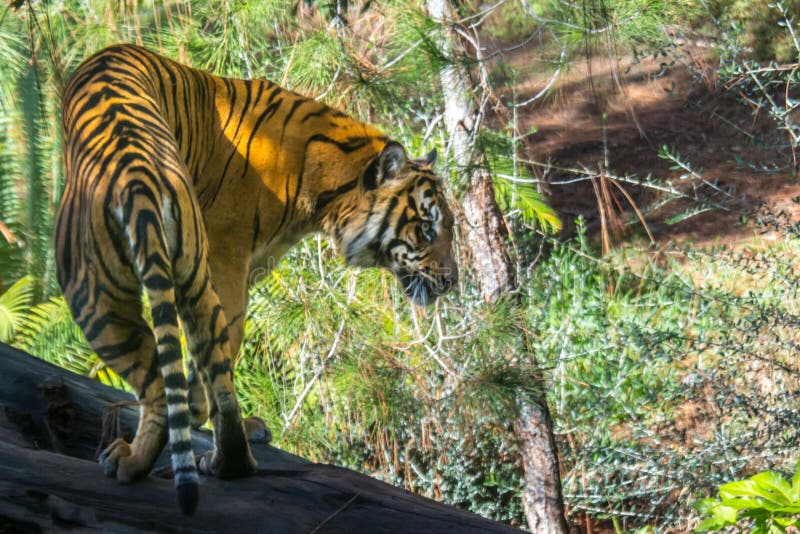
{"x":337,"y":512}
{"x":301,"y":398}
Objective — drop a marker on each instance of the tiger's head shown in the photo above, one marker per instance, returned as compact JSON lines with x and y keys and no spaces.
{"x":402,"y":222}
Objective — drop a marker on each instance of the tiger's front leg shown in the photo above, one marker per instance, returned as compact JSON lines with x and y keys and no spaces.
{"x":207,"y":333}
{"x":255,"y":428}
{"x":230,"y":284}
{"x":198,"y":402}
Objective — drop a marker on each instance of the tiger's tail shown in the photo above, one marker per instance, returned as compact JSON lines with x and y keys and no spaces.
{"x":152,"y":259}
{"x":165,"y":319}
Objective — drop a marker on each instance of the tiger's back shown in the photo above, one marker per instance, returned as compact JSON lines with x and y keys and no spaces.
{"x":179,"y":184}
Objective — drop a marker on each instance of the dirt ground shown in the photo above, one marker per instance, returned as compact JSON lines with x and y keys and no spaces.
{"x":593,"y":122}
{"x":672,"y":101}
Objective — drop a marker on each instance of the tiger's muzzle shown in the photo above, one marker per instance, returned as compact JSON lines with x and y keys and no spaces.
{"x":424,"y":288}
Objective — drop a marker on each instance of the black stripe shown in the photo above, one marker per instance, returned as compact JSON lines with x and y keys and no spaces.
{"x":166,"y":358}
{"x":178,"y":420}
{"x":370,"y":178}
{"x":318,"y":113}
{"x":176,"y":398}
{"x":220,"y":368}
{"x":133,"y":342}
{"x":175,"y":381}
{"x":180,"y":447}
{"x":385,"y":222}
{"x":229,"y":85}
{"x":169,"y":341}
{"x":267,"y":113}
{"x":152,"y":373}
{"x":296,"y":104}
{"x":326,"y":197}
{"x":350,"y":145}
{"x":185,"y":469}
{"x":164,"y":314}
{"x":157,"y":282}
{"x":124,"y":373}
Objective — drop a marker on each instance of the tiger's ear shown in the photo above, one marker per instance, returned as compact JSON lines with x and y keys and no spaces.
{"x":385,"y":166}
{"x":429,"y":159}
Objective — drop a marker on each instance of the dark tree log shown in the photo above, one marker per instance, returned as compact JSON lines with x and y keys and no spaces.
{"x":51,"y":425}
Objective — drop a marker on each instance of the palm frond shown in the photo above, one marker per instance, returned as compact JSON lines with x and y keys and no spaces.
{"x":13,"y":304}
{"x":12,"y":61}
{"x":105,"y":375}
{"x":49,"y":332}
{"x":524,"y":197}
{"x":11,"y":223}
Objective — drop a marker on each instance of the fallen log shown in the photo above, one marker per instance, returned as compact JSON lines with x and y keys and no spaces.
{"x":51,"y":430}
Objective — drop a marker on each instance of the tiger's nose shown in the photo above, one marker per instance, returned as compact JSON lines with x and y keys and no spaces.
{"x":448,"y":280}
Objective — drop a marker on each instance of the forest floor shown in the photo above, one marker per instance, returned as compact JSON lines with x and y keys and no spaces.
{"x":673,"y":101}
{"x":593,"y":123}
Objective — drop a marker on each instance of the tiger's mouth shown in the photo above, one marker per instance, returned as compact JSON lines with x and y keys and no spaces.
{"x":421,"y":290}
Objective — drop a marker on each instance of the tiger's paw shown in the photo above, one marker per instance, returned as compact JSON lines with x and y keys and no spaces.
{"x":119,"y":462}
{"x":216,"y":464}
{"x":198,"y":417}
{"x":257,"y":430}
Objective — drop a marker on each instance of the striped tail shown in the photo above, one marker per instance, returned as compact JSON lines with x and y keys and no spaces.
{"x":165,"y":319}
{"x":156,"y":271}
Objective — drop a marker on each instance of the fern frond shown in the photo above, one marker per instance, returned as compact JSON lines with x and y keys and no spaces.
{"x":49,"y":332}
{"x":13,"y":304}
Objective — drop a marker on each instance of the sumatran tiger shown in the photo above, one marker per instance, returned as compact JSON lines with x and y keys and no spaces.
{"x":179,"y":184}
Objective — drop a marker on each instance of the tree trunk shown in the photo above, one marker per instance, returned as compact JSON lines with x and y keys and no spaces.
{"x":485,"y":235}
{"x":541,"y":498}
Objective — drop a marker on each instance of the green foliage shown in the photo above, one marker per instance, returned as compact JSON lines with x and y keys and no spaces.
{"x":40,"y":170}
{"x":750,"y":50}
{"x":646,"y":349}
{"x":12,"y":63}
{"x":317,"y":61}
{"x":629,"y":23}
{"x":12,"y":264}
{"x":49,"y":331}
{"x":13,"y":303}
{"x":531,"y":205}
{"x":344,"y":370}
{"x":514,"y":22}
{"x":768,"y":35}
{"x":765,"y":500}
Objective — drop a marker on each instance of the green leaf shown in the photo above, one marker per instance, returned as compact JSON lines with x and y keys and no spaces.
{"x":721,"y":515}
{"x":13,"y":304}
{"x":774,"y":486}
{"x":747,"y":504}
{"x":788,"y":521}
{"x":527,"y":199}
{"x":706,"y":506}
{"x":795,"y":493}
{"x":770,"y":486}
{"x":49,"y":332}
{"x":724,"y":518}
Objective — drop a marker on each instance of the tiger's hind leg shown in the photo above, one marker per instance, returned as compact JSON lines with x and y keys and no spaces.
{"x":126,"y":344}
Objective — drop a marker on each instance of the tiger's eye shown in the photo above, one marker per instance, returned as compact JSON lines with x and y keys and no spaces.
{"x":426,"y":226}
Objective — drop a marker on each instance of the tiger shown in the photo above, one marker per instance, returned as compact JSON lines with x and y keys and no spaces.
{"x":179,"y":185}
